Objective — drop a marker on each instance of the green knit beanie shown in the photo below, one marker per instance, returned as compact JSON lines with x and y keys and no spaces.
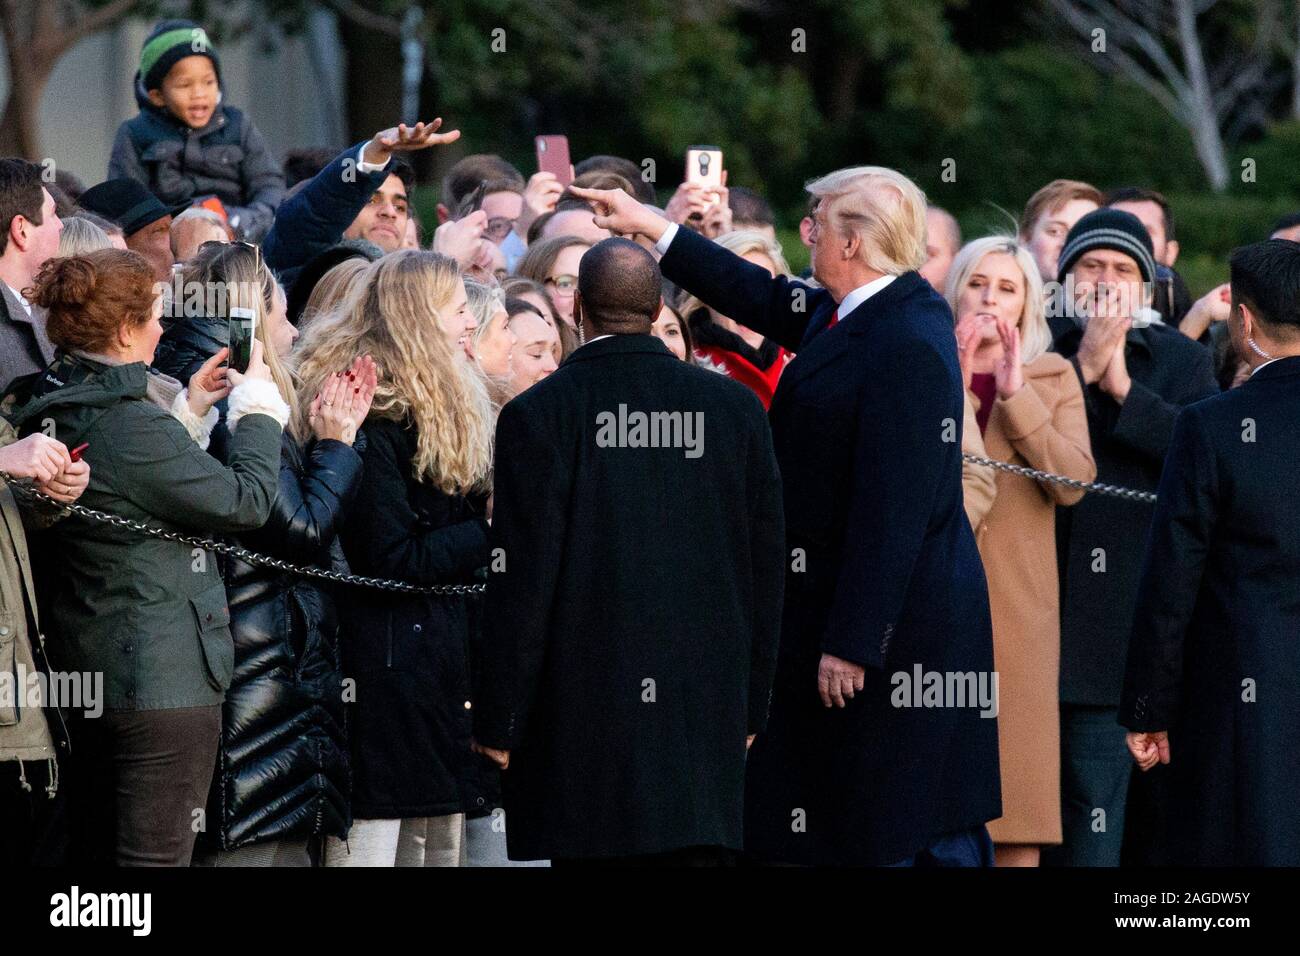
{"x":168,"y":43}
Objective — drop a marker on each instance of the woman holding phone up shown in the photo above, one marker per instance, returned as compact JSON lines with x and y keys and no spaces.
{"x":148,"y":613}
{"x":282,"y":776}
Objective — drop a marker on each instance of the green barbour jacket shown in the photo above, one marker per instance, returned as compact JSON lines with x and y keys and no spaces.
{"x":149,"y":613}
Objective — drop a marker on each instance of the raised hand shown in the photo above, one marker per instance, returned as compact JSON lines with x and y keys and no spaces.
{"x":717,"y":218}
{"x":540,"y":196}
{"x":690,"y":200}
{"x":970,"y":332}
{"x":209,"y":385}
{"x":404,"y":139}
{"x":461,"y":239}
{"x":1007,"y":374}
{"x":257,"y":368}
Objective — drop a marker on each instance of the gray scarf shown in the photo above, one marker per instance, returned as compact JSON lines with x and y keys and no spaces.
{"x":159,"y":388}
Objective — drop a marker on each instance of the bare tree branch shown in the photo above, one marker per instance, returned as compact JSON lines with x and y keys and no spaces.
{"x":1116,"y":54}
{"x":88,"y":24}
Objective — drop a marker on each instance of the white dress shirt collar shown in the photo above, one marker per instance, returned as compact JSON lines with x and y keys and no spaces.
{"x":861,"y":294}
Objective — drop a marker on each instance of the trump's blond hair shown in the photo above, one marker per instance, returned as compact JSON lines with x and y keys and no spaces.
{"x":883,"y":208}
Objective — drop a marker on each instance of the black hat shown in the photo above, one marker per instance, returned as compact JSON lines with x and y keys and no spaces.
{"x":315,"y":269}
{"x":169,"y":42}
{"x":127,"y":203}
{"x":1109,"y":228}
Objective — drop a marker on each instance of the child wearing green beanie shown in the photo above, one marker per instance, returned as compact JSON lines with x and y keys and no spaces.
{"x":187,"y":145}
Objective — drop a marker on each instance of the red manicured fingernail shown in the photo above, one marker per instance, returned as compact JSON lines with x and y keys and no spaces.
{"x":357,"y":391}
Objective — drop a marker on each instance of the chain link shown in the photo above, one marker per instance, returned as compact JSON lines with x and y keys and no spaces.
{"x":402,"y":587}
{"x":1096,"y":487}
{"x":243,"y":554}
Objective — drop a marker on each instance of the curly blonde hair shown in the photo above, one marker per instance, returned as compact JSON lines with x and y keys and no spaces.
{"x":392,"y":314}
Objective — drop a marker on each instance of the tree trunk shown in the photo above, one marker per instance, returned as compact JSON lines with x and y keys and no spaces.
{"x":20,"y":133}
{"x":1199,"y":103}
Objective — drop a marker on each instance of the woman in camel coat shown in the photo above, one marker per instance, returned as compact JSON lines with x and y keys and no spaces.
{"x":1028,"y":409}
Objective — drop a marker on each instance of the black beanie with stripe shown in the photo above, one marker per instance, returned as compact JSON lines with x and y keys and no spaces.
{"x":1108,"y":228}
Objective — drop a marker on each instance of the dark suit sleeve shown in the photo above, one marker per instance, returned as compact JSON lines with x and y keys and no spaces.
{"x":778,"y":307}
{"x":899,"y":463}
{"x":767,"y":560}
{"x":1181,"y":529}
{"x":531,"y":491}
{"x":315,"y":217}
{"x":1146,"y":420}
{"x":386,"y":538}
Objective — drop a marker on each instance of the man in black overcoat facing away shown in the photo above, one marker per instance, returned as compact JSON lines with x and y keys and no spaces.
{"x":879,"y":750}
{"x":1213,"y":680}
{"x":633,"y":607}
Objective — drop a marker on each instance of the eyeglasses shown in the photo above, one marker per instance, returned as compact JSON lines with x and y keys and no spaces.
{"x":815,"y":227}
{"x":564,"y":283}
{"x":498,"y":227}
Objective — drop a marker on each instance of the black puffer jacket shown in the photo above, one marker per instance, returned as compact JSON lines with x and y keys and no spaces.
{"x":282,"y":770}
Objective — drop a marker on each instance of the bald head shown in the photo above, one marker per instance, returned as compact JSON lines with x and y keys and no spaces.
{"x":619,"y":288}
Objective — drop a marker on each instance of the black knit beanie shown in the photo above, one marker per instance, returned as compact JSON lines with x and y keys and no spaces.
{"x":1109,"y":229}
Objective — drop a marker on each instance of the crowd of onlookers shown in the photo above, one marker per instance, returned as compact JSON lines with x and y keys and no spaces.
{"x":278,"y":720}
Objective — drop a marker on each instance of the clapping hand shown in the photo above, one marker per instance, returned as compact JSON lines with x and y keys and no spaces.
{"x":1007,"y":374}
{"x":343,"y":402}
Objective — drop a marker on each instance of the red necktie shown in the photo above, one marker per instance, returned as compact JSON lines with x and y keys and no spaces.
{"x":835,"y":317}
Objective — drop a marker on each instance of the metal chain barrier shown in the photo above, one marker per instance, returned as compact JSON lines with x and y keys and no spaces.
{"x":243,"y":554}
{"x":1096,"y":487}
{"x":402,"y":587}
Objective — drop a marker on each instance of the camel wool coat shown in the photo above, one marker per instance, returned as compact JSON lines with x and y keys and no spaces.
{"x":1044,"y":426}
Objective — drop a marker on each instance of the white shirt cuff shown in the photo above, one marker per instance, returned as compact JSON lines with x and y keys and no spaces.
{"x":365,"y":167}
{"x":666,"y":239}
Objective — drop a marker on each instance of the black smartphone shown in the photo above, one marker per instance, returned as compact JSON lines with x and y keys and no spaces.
{"x":473,"y":202}
{"x":242,"y":327}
